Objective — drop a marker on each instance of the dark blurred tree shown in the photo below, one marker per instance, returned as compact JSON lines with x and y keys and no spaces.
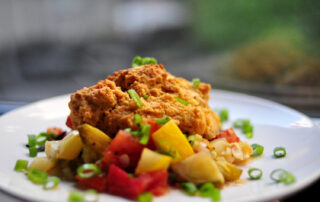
{"x":224,"y":24}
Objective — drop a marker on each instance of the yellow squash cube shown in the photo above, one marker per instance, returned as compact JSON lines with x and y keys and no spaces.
{"x":170,"y":138}
{"x":152,"y":161}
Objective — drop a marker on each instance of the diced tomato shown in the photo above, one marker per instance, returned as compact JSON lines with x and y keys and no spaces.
{"x":68,"y":122}
{"x":230,"y":135}
{"x":55,"y":130}
{"x":124,"y":151}
{"x":98,"y":182}
{"x":158,"y":184}
{"x":154,"y":127}
{"x":121,"y":184}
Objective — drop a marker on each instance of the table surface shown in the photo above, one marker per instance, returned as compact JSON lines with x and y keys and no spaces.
{"x":310,"y":191}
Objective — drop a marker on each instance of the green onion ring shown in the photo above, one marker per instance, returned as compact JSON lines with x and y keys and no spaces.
{"x":283,"y":176}
{"x":252,"y":174}
{"x":88,"y":170}
{"x":91,"y":195}
{"x":21,"y":165}
{"x":257,"y":150}
{"x":279,"y":152}
{"x":52,"y":182}
{"x":135,"y":97}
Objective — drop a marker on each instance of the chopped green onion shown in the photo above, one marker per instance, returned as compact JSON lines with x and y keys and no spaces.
{"x":257,"y":150}
{"x":128,"y":130}
{"x":36,"y":176}
{"x":76,"y":196}
{"x":184,"y":102}
{"x":136,"y":133}
{"x":245,"y":126}
{"x":255,"y":173}
{"x":51,"y":183}
{"x":145,"y":197}
{"x":32,"y":140}
{"x":21,"y":165}
{"x":43,"y":137}
{"x":91,"y":195}
{"x":138,"y":61}
{"x":145,"y":130}
{"x":166,"y":153}
{"x":88,"y":170}
{"x":137,"y":119}
{"x":279,"y":152}
{"x":135,"y":97}
{"x":163,"y":121}
{"x":208,"y":190}
{"x":189,"y":188}
{"x":191,"y":139}
{"x":33,"y":151}
{"x":249,"y":135}
{"x":282,"y":176}
{"x":224,"y":115}
{"x":145,"y":96}
{"x":196,"y":82}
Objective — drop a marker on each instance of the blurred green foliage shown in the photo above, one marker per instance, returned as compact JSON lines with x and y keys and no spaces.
{"x":223,"y":24}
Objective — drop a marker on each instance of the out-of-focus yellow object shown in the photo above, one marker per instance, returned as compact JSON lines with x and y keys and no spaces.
{"x":68,"y":148}
{"x":43,"y":164}
{"x":94,"y":138}
{"x":199,"y":168}
{"x":152,"y":161}
{"x":170,"y":137}
{"x":229,"y":171}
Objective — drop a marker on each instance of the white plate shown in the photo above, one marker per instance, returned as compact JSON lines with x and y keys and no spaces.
{"x":274,"y":125}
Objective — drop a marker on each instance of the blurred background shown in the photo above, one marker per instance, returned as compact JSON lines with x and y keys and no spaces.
{"x":268,"y":48}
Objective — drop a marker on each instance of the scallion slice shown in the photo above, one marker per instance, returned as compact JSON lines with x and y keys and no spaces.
{"x":246,"y":127}
{"x":145,"y":96}
{"x":145,"y":197}
{"x":257,"y":150}
{"x":224,"y":115}
{"x":33,"y":151}
{"x":75,"y":196}
{"x":145,"y":130}
{"x":36,"y":176}
{"x":88,"y":170}
{"x":208,"y":190}
{"x":91,"y":195}
{"x":21,"y":165}
{"x":196,"y":82}
{"x":255,"y":173}
{"x":51,"y":183}
{"x":135,"y":97}
{"x":189,"y":188}
{"x":279,"y":152}
{"x":163,"y":121}
{"x":184,"y":102}
{"x":138,"y":61}
{"x":32,"y":140}
{"x":282,"y":176}
{"x":137,"y":119}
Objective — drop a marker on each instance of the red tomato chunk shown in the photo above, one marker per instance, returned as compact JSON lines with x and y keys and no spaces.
{"x":124,"y":151}
{"x":230,"y":135}
{"x":98,"y":182}
{"x":121,"y":184}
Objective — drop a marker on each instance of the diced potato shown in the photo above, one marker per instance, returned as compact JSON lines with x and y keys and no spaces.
{"x":229,"y":171}
{"x":199,"y":168}
{"x":152,"y":161}
{"x":94,"y":138}
{"x":68,"y":148}
{"x":43,"y":164}
{"x":170,"y":137}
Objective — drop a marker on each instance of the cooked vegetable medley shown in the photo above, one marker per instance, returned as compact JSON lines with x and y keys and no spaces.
{"x":165,"y":146}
